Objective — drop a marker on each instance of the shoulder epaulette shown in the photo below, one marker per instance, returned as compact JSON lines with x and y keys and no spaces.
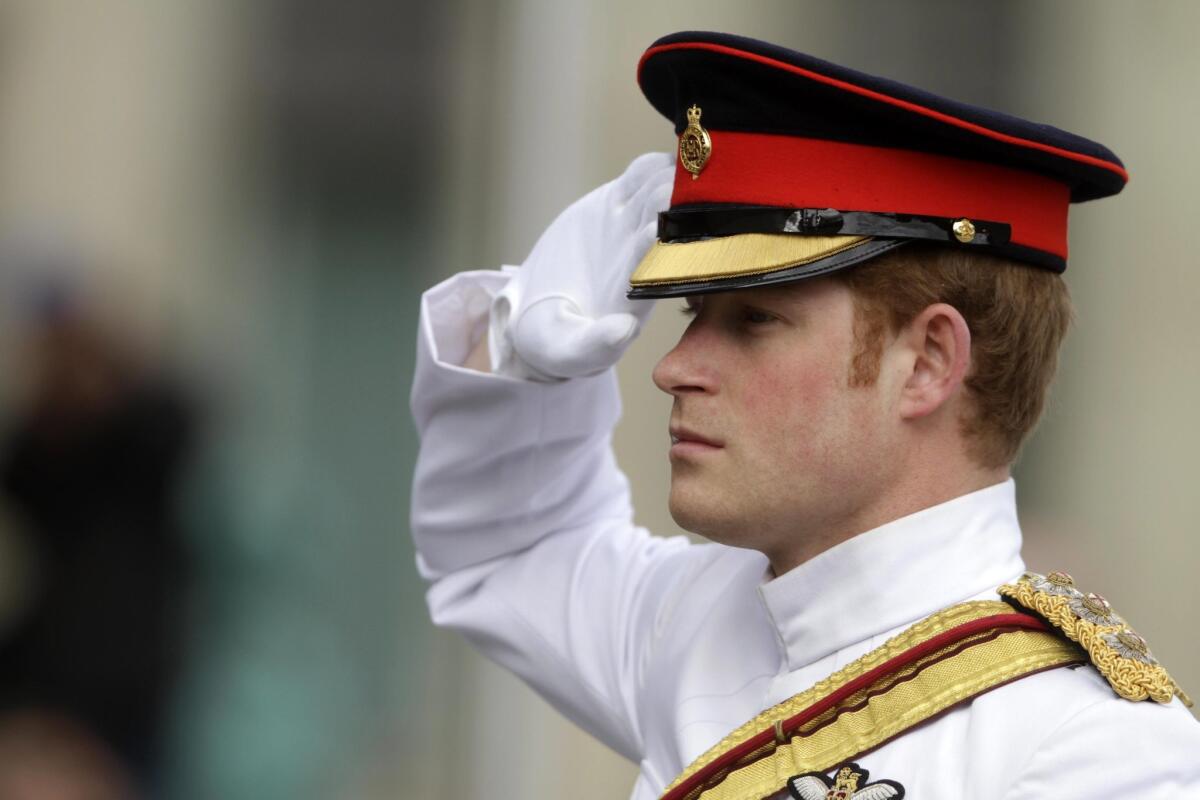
{"x":1115,"y":650}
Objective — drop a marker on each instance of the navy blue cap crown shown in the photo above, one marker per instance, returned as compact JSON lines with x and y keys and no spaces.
{"x":746,"y":84}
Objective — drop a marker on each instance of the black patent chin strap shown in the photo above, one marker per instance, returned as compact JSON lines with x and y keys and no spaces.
{"x":691,"y":224}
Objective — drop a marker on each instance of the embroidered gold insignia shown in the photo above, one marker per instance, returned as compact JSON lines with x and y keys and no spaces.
{"x":695,"y":145}
{"x":844,"y":785}
{"x":1120,"y":654}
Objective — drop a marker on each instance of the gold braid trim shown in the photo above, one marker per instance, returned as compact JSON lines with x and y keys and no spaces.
{"x":880,"y":713}
{"x":920,"y":632}
{"x":1135,"y":675}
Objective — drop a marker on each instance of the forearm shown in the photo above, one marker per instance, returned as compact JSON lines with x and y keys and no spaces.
{"x":503,"y":461}
{"x":480,"y":358}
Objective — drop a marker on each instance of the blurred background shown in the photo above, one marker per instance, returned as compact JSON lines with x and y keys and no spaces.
{"x":215,"y":222}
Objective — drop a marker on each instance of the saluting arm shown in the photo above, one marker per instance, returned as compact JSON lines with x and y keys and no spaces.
{"x":521,"y":517}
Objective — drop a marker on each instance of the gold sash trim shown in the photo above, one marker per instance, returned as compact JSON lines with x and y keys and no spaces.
{"x":887,"y":705}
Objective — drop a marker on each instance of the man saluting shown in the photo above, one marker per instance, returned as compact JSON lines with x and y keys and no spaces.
{"x":874,"y":279}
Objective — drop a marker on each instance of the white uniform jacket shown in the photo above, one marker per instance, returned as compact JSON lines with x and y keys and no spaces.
{"x":660,"y":647}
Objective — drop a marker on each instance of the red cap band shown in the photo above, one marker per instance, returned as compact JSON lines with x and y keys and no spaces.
{"x":794,"y":172}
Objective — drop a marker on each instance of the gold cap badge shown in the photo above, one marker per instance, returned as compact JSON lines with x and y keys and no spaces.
{"x":695,"y":146}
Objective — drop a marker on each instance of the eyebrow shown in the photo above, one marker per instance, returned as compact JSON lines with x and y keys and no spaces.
{"x":793,"y":292}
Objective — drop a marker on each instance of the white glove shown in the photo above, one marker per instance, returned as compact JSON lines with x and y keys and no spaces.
{"x":564,"y":313}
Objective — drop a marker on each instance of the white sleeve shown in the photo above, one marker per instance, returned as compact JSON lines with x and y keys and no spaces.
{"x":1116,"y":748}
{"x":523,"y":522}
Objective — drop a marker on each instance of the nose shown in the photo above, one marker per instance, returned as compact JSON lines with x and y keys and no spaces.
{"x":685,"y":369}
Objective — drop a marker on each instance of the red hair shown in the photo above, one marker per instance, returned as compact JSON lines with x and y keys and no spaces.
{"x":1018,"y":316}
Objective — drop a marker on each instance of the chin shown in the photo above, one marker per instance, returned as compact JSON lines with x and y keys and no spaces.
{"x":707,"y":515}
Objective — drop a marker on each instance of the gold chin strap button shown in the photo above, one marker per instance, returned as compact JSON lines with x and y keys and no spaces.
{"x":964,"y":231}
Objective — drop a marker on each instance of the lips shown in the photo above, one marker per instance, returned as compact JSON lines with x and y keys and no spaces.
{"x":681,"y":435}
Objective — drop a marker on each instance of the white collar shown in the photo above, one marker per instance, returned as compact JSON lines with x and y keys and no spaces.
{"x":896,"y":574}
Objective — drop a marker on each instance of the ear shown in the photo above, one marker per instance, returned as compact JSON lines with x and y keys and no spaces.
{"x":937,"y":343}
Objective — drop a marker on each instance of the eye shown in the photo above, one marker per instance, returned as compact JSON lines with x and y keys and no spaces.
{"x":690,"y":307}
{"x":756,"y":316}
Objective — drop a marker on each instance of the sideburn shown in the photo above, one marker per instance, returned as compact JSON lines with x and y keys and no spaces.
{"x":870,"y":326}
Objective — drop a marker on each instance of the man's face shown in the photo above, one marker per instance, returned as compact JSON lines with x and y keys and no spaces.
{"x":772,"y":449}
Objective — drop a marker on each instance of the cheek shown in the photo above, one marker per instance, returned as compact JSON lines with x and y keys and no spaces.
{"x":800,"y":395}
{"x":795,"y":422}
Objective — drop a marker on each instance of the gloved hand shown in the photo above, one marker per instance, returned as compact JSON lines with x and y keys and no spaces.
{"x":564,"y":313}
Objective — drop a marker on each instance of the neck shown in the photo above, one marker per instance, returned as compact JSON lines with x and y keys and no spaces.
{"x":913,"y":491}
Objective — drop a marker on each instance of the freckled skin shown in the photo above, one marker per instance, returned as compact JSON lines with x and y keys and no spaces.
{"x":805,"y":460}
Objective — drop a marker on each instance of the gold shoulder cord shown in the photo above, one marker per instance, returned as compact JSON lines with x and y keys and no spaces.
{"x":1120,"y":655}
{"x":882,"y":709}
